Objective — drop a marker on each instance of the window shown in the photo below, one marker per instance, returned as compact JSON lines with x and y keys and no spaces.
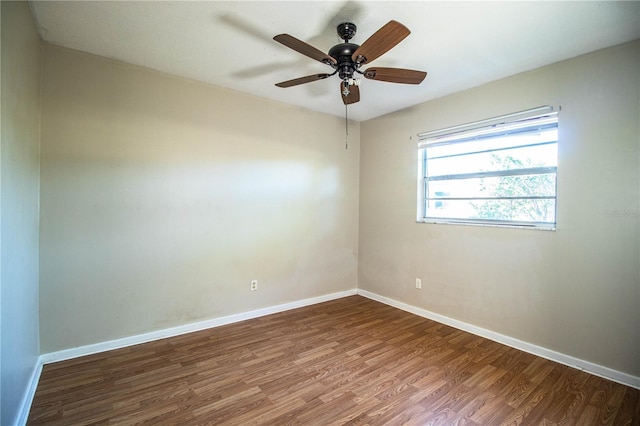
{"x":500,"y":171}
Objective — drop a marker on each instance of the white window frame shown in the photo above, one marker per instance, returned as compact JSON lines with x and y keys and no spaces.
{"x":507,"y":124}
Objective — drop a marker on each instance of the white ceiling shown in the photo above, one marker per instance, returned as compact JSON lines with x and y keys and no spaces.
{"x":229,"y":43}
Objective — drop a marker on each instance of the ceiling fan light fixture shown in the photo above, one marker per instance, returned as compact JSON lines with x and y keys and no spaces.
{"x":345,"y":88}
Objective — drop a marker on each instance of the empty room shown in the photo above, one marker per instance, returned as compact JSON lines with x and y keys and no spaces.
{"x":319,"y":212}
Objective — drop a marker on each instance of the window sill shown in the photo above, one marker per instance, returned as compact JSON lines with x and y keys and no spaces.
{"x":487,"y":225}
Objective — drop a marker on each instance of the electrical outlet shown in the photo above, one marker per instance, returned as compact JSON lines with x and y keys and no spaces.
{"x":254,"y":285}
{"x":418,"y":283}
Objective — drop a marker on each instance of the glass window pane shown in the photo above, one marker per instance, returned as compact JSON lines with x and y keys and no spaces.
{"x":539,"y":185}
{"x":498,"y":210}
{"x":548,"y":135}
{"x":515,"y":158}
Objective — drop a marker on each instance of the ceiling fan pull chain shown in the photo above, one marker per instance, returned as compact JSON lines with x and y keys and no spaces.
{"x":346,"y":128}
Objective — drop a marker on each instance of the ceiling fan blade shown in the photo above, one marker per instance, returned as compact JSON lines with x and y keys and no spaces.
{"x":303,"y":80}
{"x":395,"y":75}
{"x":381,"y":41}
{"x":304,"y":48}
{"x":352,"y":97}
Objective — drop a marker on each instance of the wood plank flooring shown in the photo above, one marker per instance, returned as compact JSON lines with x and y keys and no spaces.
{"x":349,"y":361}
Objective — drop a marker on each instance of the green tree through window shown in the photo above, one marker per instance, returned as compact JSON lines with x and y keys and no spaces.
{"x":530,"y":209}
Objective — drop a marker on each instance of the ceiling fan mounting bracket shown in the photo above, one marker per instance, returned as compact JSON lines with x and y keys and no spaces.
{"x":346,"y":31}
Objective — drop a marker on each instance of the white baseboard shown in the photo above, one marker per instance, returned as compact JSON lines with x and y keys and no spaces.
{"x":595,"y":369}
{"x":27,"y":398}
{"x":183,"y":329}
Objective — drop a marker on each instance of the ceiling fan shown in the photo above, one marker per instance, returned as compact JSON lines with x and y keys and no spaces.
{"x":347,"y":58}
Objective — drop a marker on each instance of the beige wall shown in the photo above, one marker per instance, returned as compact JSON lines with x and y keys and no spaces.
{"x":163,"y":197}
{"x":575,"y":290}
{"x":19,"y":188}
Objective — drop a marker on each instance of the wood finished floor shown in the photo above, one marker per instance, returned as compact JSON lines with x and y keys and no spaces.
{"x":348,"y":361}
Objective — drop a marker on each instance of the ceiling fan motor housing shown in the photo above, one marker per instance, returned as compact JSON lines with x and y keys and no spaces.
{"x":342,"y":54}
